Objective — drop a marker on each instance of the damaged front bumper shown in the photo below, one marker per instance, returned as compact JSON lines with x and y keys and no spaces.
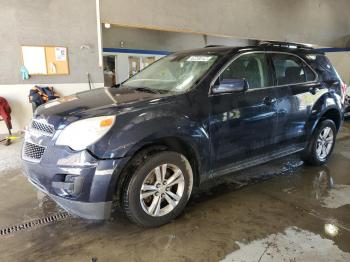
{"x":77,"y":181}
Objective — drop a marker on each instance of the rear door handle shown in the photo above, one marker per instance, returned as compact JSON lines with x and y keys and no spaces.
{"x":269,"y":101}
{"x":313,"y":90}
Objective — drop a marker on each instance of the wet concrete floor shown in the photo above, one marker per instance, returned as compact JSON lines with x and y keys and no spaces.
{"x":280,"y":211}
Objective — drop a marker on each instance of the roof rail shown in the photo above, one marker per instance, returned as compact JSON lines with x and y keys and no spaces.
{"x":207,"y":46}
{"x":284,"y":44}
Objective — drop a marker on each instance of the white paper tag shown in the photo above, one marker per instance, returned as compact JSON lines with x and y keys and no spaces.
{"x":61,"y":53}
{"x":199,"y":58}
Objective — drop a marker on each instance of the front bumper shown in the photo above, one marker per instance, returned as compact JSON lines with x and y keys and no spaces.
{"x":78,"y":182}
{"x":95,"y":211}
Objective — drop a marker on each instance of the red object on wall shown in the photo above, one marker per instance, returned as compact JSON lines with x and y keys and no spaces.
{"x":5,"y":112}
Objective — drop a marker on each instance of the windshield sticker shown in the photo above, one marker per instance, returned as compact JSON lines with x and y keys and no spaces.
{"x":199,"y":58}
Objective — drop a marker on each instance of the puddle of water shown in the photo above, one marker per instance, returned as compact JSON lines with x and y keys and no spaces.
{"x":338,"y":196}
{"x":293,"y":244}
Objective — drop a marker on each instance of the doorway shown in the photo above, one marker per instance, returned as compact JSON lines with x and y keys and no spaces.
{"x":109,"y":70}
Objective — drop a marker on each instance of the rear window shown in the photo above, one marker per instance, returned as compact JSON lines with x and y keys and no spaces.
{"x":290,"y":69}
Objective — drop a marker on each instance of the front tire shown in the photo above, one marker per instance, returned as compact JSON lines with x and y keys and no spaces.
{"x":321,"y":144}
{"x":158,"y":189}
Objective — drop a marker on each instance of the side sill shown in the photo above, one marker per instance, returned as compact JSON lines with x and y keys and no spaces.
{"x":257,"y":160}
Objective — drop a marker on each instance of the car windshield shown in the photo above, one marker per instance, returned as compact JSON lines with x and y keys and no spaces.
{"x":174,"y":73}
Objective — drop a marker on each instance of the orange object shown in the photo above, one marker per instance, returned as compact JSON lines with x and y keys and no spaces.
{"x":106,"y":122}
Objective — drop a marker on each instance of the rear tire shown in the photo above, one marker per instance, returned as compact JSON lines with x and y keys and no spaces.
{"x":157,"y":190}
{"x":322,"y":143}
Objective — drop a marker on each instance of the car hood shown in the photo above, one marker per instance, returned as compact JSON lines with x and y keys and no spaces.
{"x":100,"y":101}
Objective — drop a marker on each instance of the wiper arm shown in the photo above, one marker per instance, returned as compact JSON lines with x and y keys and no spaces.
{"x":147,"y":90}
{"x":116,"y":86}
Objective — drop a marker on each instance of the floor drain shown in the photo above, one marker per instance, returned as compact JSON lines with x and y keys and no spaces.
{"x":33,"y":223}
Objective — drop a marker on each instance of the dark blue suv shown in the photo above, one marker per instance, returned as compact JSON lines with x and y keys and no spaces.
{"x":189,"y":117}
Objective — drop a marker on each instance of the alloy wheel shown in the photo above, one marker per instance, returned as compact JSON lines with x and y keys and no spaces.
{"x":324,"y":143}
{"x":162,"y":190}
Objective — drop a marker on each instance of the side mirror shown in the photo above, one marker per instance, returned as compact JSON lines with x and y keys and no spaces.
{"x":231,"y":85}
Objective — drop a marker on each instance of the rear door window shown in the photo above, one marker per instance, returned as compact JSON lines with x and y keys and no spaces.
{"x":290,"y":70}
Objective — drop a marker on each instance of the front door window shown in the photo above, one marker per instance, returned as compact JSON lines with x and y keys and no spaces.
{"x":251,"y":67}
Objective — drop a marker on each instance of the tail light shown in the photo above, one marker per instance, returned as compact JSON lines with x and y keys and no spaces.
{"x":343,"y":91}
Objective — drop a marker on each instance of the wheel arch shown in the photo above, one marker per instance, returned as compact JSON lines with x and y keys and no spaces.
{"x":171,"y":143}
{"x":334,"y":115}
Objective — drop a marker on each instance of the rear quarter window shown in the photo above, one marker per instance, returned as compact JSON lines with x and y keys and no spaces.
{"x":326,"y":72}
{"x":323,"y":67}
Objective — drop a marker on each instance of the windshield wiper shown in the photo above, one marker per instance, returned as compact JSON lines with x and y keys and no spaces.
{"x":147,"y":90}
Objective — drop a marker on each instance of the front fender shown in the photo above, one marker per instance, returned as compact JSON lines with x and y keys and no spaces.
{"x":137,"y":129}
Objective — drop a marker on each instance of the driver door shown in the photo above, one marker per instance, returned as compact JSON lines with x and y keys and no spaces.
{"x":242,"y":124}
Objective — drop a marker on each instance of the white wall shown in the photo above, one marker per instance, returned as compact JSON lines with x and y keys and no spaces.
{"x":146,"y":39}
{"x":227,"y":41}
{"x":341,"y":61}
{"x":321,"y":22}
{"x":46,"y":23}
{"x":49,"y":23}
{"x":17,"y":96}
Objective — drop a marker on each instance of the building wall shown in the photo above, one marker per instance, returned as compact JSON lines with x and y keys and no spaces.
{"x":145,"y":39}
{"x":341,"y":61}
{"x":53,"y":23}
{"x":149,"y":39}
{"x":134,"y":38}
{"x":321,"y":22}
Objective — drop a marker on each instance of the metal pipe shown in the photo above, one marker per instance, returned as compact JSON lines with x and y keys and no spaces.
{"x":99,"y":37}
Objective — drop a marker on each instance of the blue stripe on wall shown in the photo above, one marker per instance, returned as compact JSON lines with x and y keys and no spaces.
{"x":136,"y":51}
{"x":328,"y":50}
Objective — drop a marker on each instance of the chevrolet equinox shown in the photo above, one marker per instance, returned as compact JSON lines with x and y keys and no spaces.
{"x":189,"y":117}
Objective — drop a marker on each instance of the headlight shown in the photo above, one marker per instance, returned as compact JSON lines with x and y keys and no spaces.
{"x":82,"y":133}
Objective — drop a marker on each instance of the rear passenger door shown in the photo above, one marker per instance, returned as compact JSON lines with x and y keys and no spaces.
{"x":296,"y":90}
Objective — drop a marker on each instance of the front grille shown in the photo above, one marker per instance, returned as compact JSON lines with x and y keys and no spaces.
{"x":43,"y":128}
{"x":33,"y":152}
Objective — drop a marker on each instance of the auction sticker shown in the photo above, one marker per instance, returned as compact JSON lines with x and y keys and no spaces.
{"x":199,"y":58}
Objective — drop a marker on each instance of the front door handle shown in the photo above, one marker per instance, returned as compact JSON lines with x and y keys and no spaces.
{"x":269,"y":101}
